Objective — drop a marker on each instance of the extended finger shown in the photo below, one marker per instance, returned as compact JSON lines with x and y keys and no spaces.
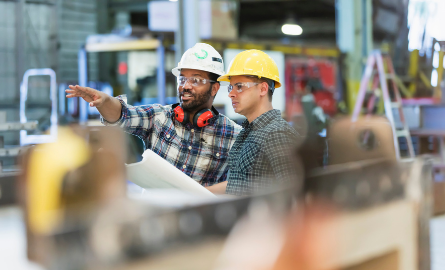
{"x":72,"y":95}
{"x":85,"y":90}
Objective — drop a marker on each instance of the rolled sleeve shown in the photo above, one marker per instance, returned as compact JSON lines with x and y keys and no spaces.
{"x":121,"y":119}
{"x":138,"y":120}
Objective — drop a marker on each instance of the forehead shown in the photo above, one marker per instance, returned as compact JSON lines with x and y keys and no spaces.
{"x":238,"y":79}
{"x":193,"y":72}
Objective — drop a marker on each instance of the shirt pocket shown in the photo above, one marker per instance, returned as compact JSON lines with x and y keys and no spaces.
{"x":169,"y":136}
{"x":212,"y":161}
{"x":166,"y":144}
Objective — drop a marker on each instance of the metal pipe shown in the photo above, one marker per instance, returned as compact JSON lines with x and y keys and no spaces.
{"x":83,"y":81}
{"x":179,"y":41}
{"x":161,"y":71}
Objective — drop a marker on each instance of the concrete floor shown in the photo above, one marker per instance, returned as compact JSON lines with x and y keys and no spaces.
{"x":13,"y":242}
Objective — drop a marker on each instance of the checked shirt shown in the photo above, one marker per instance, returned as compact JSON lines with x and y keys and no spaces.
{"x":201,"y":153}
{"x":261,"y":158}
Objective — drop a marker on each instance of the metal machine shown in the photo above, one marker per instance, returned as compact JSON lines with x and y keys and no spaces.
{"x":356,"y":213}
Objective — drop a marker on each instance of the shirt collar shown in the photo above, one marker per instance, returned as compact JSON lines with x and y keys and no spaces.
{"x":262,"y":120}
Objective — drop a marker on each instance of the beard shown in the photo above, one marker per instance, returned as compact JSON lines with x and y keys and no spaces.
{"x":197,"y":101}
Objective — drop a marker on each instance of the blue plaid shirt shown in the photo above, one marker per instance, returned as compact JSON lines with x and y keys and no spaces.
{"x":201,"y":153}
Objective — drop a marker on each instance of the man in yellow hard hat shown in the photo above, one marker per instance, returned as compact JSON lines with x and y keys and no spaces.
{"x":261,"y":157}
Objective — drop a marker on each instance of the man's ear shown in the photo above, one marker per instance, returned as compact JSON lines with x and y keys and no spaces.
{"x":264,"y":89}
{"x":215,"y":89}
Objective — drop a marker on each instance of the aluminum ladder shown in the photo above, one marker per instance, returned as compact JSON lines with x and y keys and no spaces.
{"x":379,"y":76}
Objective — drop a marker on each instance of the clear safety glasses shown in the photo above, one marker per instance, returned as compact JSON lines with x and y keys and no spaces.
{"x":241,"y":86}
{"x":182,"y":80}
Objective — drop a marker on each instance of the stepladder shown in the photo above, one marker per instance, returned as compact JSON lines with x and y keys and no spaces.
{"x":379,"y":79}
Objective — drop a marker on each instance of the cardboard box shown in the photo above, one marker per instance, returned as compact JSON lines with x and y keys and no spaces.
{"x":439,"y":197}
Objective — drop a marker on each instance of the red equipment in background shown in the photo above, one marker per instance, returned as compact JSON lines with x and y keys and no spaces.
{"x":307,"y":75}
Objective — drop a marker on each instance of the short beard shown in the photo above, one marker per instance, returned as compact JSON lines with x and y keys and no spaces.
{"x":199,"y":100}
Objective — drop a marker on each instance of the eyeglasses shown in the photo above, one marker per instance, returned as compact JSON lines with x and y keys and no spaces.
{"x":241,"y":86}
{"x":182,"y":80}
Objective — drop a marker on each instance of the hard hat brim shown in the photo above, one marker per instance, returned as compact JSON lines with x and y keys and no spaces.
{"x":226,"y":78}
{"x":177,"y":70}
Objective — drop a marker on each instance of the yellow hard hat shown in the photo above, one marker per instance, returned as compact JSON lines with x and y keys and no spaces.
{"x":253,"y":62}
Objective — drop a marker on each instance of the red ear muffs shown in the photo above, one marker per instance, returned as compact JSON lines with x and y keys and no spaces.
{"x":181,"y":115}
{"x":201,"y":118}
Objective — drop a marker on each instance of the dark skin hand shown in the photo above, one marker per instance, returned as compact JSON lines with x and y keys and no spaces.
{"x":109,"y":107}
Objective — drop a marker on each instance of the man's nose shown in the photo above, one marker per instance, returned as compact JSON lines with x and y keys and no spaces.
{"x":187,"y":85}
{"x":232,"y":93}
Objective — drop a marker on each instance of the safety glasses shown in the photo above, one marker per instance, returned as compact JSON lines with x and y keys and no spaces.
{"x":241,"y":86}
{"x":194,"y":81}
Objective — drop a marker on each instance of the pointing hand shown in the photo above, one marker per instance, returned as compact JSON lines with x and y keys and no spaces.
{"x":90,"y":95}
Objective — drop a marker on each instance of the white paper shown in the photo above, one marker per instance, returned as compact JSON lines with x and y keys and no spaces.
{"x":174,"y":198}
{"x":155,"y":172}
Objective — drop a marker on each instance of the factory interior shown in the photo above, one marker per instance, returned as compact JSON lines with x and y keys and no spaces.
{"x":222,"y":134}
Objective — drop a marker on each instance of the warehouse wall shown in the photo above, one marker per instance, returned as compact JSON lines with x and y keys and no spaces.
{"x":64,"y":25}
{"x":78,"y":19}
{"x":52,"y":33}
{"x":8,"y":87}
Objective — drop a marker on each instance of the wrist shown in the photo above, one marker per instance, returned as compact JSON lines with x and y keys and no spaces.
{"x":105,"y":99}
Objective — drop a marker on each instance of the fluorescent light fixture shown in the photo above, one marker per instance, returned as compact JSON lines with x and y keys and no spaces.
{"x":292,"y":29}
{"x":173,"y":0}
{"x":434,"y":77}
{"x":436,"y":59}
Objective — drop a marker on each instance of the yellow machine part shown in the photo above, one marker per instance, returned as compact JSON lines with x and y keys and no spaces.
{"x":413,"y":69}
{"x":48,"y":165}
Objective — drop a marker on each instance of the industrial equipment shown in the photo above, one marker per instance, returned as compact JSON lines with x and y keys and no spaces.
{"x":356,"y":213}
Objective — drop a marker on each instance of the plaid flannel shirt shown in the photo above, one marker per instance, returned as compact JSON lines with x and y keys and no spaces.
{"x":261,"y":158}
{"x":201,"y":153}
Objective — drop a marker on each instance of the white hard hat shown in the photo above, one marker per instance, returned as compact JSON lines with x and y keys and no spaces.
{"x":201,"y":57}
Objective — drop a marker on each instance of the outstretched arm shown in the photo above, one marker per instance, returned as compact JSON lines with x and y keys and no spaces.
{"x":108,"y":106}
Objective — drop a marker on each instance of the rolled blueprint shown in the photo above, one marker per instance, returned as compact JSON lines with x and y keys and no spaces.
{"x":155,"y":172}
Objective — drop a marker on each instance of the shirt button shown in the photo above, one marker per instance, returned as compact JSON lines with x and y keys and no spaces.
{"x":168,"y":136}
{"x":190,"y":148}
{"x":184,"y":166}
{"x":193,"y":130}
{"x":217,"y":154}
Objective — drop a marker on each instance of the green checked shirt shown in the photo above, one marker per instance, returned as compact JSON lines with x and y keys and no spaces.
{"x":261,"y":158}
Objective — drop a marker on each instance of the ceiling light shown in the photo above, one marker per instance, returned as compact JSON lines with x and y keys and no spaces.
{"x":292,"y":29}
{"x":173,"y":0}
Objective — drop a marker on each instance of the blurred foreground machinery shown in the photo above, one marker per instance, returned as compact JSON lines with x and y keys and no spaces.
{"x":366,"y":210}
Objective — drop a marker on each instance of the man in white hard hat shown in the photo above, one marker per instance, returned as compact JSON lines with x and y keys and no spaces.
{"x":191,"y":135}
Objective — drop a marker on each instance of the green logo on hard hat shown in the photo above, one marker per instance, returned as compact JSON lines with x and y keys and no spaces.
{"x":202,"y":57}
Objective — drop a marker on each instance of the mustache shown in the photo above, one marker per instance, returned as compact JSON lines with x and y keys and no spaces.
{"x":186,"y":92}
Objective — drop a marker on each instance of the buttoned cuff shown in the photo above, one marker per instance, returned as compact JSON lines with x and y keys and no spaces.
{"x":124,"y":111}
